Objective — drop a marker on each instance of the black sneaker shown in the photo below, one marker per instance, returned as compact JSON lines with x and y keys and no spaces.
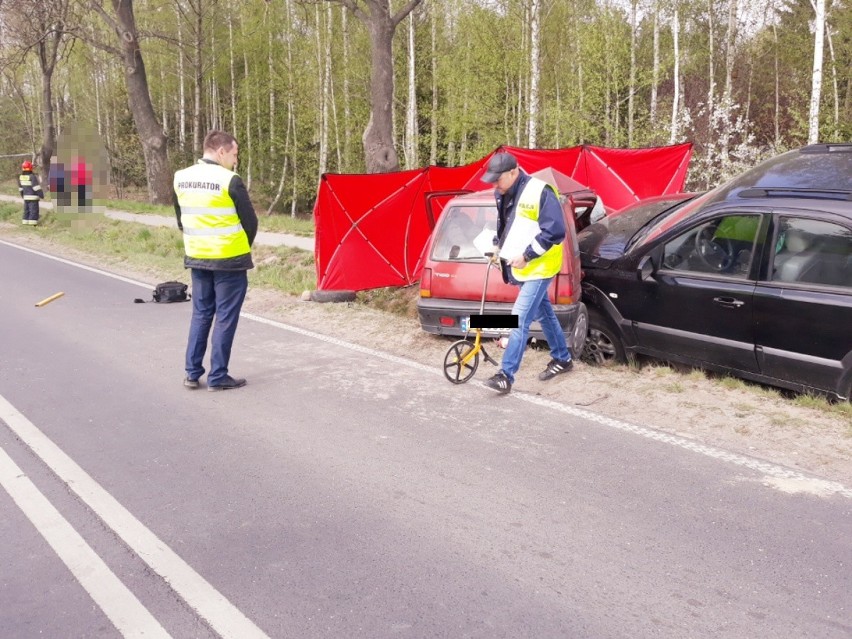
{"x":227,"y":384}
{"x":190,"y":383}
{"x":500,"y":383}
{"x":554,"y":368}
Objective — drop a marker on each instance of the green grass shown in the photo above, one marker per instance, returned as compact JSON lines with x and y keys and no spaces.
{"x":286,"y":269}
{"x":731,"y":383}
{"x":824,"y":404}
{"x":140,"y":208}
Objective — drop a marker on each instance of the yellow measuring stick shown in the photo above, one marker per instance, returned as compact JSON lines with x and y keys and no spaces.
{"x":48,"y":300}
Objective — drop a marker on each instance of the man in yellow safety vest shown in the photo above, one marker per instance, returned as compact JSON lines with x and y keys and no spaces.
{"x":530,"y":232}
{"x":219,"y":226}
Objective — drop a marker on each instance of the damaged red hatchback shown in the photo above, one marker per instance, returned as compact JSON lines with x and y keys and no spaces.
{"x":454,"y":269}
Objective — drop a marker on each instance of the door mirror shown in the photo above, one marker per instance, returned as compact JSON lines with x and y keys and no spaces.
{"x":646,"y":268}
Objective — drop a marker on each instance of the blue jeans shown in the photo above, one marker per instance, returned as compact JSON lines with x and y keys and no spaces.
{"x":533,"y":305}
{"x":219,"y":293}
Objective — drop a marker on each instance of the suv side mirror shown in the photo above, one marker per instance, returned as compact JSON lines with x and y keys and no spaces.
{"x":646,"y":268}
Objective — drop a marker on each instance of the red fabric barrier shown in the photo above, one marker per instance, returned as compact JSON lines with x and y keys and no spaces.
{"x":371,"y":229}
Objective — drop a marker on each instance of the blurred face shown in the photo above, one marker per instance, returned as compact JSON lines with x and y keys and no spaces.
{"x":506,"y":180}
{"x":227,"y":157}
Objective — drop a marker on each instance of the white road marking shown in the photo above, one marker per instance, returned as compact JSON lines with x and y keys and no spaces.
{"x":771,"y":470}
{"x":122,"y":608}
{"x":211,"y":605}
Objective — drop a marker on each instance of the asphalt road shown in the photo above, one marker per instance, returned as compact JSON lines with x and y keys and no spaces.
{"x":345,"y":493}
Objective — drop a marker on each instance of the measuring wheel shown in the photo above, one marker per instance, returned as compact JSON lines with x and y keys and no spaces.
{"x":456,"y":371}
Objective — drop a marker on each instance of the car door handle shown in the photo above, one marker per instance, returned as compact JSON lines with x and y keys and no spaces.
{"x":728,"y":302}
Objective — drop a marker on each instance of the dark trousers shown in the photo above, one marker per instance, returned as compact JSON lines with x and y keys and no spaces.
{"x":31,"y":210}
{"x":219,"y":294}
{"x":84,"y":196}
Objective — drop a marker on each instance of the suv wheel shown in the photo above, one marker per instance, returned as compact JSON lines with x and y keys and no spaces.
{"x":603,"y":345}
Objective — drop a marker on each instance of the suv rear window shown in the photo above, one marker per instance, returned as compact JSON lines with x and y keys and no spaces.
{"x":458,"y":227}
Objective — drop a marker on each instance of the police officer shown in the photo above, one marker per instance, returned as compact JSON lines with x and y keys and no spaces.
{"x":219,"y":226}
{"x":530,"y":232}
{"x":30,"y":189}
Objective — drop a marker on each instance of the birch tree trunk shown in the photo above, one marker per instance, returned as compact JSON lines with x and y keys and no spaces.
{"x":433,"y":117}
{"x":181,"y":86}
{"x":322,"y":98}
{"x":655,"y":74}
{"x":234,"y":130}
{"x":816,"y":82}
{"x":283,"y":162}
{"x":271,"y":71}
{"x":198,"y":72}
{"x":411,"y":159}
{"x":535,"y":72}
{"x":777,"y":118}
{"x":347,"y":106}
{"x":730,"y":50}
{"x":249,"y":146}
{"x":676,"y":76}
{"x":329,"y":18}
{"x":727,"y":97}
{"x":711,"y":84}
{"x":631,"y":87}
{"x":836,"y":136}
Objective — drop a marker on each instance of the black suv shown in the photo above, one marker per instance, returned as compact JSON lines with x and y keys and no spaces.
{"x":753,"y":278}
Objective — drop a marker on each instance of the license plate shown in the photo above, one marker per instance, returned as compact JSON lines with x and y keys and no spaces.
{"x":464,"y":324}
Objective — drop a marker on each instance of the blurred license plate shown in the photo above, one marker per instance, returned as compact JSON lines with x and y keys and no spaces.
{"x":464,"y":324}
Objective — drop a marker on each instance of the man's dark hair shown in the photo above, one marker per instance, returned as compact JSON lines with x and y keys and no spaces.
{"x":215,"y":140}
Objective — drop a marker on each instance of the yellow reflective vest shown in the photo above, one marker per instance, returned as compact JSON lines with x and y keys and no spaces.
{"x":523,"y":232}
{"x":211,"y":226}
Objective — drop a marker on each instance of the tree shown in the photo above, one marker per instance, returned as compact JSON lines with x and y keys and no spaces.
{"x":379,"y":152}
{"x":40,"y":27}
{"x":139,"y":97}
{"x":816,"y":80}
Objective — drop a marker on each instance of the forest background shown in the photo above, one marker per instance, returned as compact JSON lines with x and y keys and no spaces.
{"x":356,"y":86}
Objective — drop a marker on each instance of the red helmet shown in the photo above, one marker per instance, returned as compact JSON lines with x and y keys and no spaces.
{"x":27,"y":166}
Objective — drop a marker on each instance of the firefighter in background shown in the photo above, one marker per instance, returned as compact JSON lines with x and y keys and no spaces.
{"x":30,"y":189}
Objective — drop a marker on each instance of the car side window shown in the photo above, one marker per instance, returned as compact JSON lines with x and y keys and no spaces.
{"x":724,"y":246}
{"x":812,"y":252}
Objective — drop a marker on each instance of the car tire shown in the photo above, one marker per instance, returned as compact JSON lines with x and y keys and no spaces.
{"x":603,"y":344}
{"x":581,"y":331}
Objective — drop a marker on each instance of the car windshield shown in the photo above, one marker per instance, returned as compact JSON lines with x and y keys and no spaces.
{"x":458,"y":230}
{"x":666,"y":220}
